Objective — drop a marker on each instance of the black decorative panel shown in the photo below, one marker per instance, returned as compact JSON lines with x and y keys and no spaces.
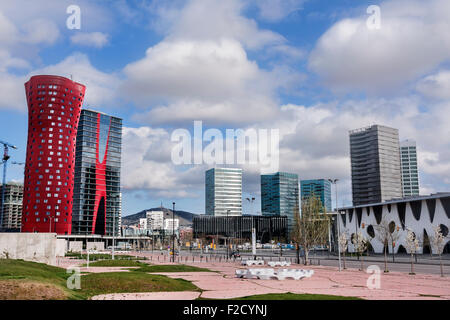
{"x":416,"y":207}
{"x":401,"y":209}
{"x":378,"y":211}
{"x":344,"y":219}
{"x":371,"y":231}
{"x":446,"y":204}
{"x":350,"y":215}
{"x":426,"y":242}
{"x":389,"y":207}
{"x":368,"y":211}
{"x":431,"y":205}
{"x":444,"y":230}
{"x":359,"y":215}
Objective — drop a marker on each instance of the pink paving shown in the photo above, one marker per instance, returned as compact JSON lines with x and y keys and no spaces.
{"x":326,"y":280}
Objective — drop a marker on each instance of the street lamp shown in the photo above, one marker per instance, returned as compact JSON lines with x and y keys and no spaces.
{"x":173,"y":232}
{"x":114,"y":196}
{"x":334,"y":181}
{"x":226,"y":237}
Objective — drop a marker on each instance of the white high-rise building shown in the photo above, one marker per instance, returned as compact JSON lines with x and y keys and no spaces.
{"x":223,"y":192}
{"x":155,"y":220}
{"x":410,"y":172}
{"x":143,"y":223}
{"x":171,"y":224}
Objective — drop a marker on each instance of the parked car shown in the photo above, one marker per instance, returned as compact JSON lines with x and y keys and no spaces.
{"x":235,"y":254}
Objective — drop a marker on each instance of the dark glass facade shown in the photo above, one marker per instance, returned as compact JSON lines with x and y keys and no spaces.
{"x":280,"y":195}
{"x":97,"y":198}
{"x":320,"y":188}
{"x":240,"y":227}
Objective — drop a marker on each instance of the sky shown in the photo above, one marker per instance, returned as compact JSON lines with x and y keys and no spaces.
{"x":311,"y":69}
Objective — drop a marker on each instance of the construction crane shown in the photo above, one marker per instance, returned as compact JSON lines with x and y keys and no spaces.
{"x":5,"y":159}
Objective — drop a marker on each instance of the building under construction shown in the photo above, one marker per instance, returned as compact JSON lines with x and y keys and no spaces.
{"x":12,"y":209}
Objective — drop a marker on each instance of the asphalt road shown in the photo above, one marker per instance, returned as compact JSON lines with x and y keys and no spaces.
{"x":425,"y":265}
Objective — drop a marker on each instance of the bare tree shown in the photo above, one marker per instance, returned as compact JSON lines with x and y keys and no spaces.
{"x":383,"y":236}
{"x":412,"y":245}
{"x":360,"y":244}
{"x":343,"y":244}
{"x":394,"y":235}
{"x":437,"y":242}
{"x":311,"y":227}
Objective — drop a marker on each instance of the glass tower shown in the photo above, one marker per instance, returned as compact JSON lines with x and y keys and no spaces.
{"x":321,"y":188}
{"x":223,"y":192}
{"x":410,"y":173}
{"x":280,"y":195}
{"x":97,"y":197}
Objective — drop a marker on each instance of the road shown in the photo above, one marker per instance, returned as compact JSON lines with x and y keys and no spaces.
{"x":425,"y":265}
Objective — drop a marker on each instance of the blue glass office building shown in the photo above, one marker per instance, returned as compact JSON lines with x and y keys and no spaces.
{"x":320,"y":188}
{"x":280,"y":195}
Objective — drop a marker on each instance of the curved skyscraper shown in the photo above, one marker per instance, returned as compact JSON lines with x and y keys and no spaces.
{"x":54,"y":105}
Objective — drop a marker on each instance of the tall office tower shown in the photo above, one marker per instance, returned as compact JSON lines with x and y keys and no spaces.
{"x":223,"y":192}
{"x":320,"y":188}
{"x":97,"y":198}
{"x":410,"y":173}
{"x":54,"y":105}
{"x":12,"y":209}
{"x":375,"y":161}
{"x":280,"y":195}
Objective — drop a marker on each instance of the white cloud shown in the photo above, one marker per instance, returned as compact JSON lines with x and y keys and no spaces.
{"x":40,"y":31}
{"x":413,"y":39}
{"x":436,"y":86}
{"x":213,"y":19}
{"x":201,"y":70}
{"x":91,"y":39}
{"x":101,"y":87}
{"x":275,"y":10}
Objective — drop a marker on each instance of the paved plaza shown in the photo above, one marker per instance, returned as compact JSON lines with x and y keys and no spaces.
{"x":221,"y":283}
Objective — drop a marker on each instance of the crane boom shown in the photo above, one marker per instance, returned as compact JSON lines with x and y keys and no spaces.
{"x":7,"y":144}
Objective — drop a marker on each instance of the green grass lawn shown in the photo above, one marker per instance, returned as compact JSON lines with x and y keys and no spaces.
{"x":293,"y":296}
{"x":145,"y":267}
{"x":30,"y":280}
{"x":116,"y":263}
{"x":102,"y":256}
{"x":128,"y":282}
{"x":170,"y":268}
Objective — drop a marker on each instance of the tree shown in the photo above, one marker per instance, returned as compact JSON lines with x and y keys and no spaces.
{"x":343,"y":244}
{"x":394,"y":235}
{"x":412,"y":245}
{"x":383,"y":236}
{"x":311,"y":227}
{"x":437,"y":242}
{"x":360,"y":244}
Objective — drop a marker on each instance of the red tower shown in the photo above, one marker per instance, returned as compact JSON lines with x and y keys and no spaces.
{"x":54,"y":105}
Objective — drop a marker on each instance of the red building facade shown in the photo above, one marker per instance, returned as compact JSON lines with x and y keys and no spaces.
{"x":54,"y":106}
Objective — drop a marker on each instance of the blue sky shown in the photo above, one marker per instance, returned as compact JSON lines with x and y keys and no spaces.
{"x":311,"y":68}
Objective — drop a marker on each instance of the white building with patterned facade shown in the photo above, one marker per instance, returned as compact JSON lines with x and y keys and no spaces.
{"x":420,"y":214}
